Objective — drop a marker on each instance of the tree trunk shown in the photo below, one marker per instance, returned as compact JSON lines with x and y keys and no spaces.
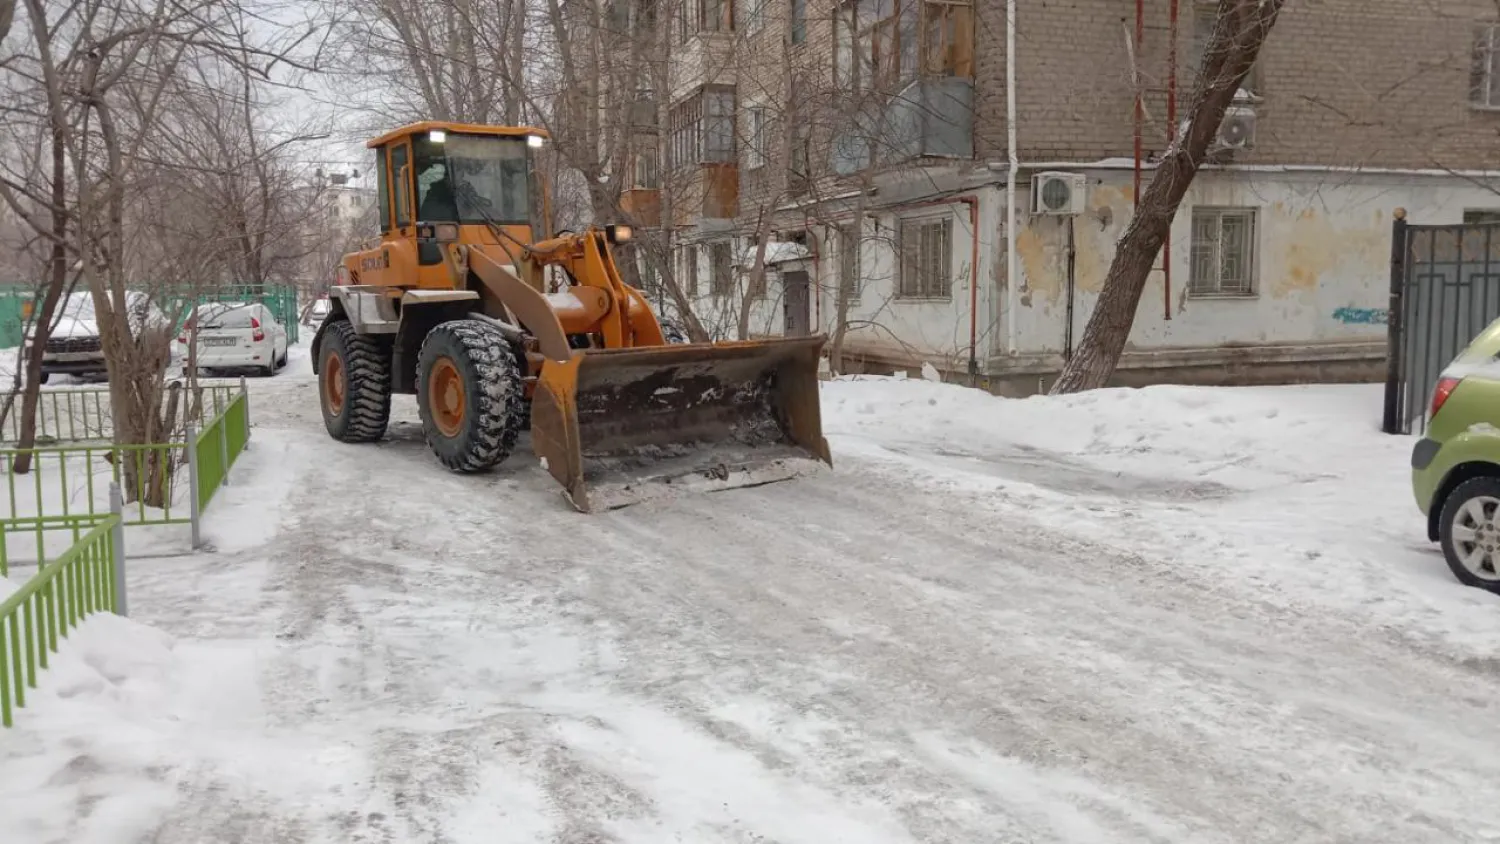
{"x":1239,"y":33}
{"x":58,"y":277}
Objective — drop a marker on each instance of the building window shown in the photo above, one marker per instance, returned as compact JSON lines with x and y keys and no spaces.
{"x":882,"y":44}
{"x":1481,"y":217}
{"x":1205,"y":15}
{"x":646,"y":174}
{"x":755,"y":136}
{"x":694,"y":16}
{"x":1223,"y":252}
{"x":687,"y":271}
{"x":849,"y":262}
{"x":721,"y":269}
{"x":799,"y":21}
{"x":752,"y":15}
{"x":926,"y":259}
{"x":701,"y":129}
{"x":1484,"y":74}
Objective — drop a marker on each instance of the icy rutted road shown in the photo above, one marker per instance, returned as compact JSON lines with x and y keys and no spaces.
{"x":854,"y":657}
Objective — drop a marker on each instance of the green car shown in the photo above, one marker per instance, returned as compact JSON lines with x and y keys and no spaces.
{"x":1455,"y":467}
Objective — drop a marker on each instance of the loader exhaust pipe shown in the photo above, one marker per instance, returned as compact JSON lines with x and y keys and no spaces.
{"x":619,"y":426}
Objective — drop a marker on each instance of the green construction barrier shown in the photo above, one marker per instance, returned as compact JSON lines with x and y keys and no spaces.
{"x":282,"y":302}
{"x":14,"y":303}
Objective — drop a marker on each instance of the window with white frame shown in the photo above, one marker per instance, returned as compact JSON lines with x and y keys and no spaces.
{"x":1222,"y":255}
{"x":647,"y":175}
{"x":755,"y":137}
{"x":1205,"y":17}
{"x":926,"y":248}
{"x":700,"y":129}
{"x":752,"y":15}
{"x":849,"y":261}
{"x":1484,"y":70}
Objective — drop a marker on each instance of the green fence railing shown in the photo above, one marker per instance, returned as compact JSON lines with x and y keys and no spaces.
{"x":85,"y":579}
{"x":67,"y":486}
{"x":82,"y":415}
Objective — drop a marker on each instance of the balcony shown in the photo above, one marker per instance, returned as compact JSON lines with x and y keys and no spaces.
{"x":709,"y":197}
{"x":643,"y":205}
{"x":705,"y":59}
{"x":932,"y":117}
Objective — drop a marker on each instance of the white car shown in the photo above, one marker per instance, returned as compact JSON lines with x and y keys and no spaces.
{"x":235,"y":335}
{"x":73,"y":345}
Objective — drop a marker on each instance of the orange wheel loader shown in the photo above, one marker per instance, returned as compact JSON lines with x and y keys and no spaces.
{"x":497,"y":326}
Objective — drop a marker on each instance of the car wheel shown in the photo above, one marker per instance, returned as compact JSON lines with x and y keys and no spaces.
{"x":46,"y":376}
{"x":1469,"y":527}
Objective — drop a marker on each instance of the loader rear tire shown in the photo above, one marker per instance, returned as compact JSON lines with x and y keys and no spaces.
{"x":354,"y":385}
{"x":469,"y":395}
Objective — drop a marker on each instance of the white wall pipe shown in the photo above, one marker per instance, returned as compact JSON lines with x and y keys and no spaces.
{"x":1012,"y":273}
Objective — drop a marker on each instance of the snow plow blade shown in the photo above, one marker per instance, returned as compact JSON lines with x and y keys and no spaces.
{"x":617,"y":427}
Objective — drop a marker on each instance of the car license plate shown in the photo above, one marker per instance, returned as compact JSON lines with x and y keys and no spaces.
{"x":218,"y":341}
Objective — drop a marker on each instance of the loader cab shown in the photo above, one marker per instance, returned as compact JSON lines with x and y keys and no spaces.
{"x":440,"y":183}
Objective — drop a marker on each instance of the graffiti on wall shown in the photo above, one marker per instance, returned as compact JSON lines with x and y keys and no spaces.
{"x":1361,"y":316}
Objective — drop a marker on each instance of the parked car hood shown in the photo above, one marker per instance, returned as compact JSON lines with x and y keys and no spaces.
{"x":75,"y":327}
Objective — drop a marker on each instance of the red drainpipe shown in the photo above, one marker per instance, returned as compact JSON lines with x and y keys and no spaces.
{"x":1166,"y":247}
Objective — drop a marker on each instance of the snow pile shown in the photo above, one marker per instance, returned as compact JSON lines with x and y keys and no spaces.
{"x":1290,"y":496}
{"x":1248,"y":437}
{"x":87,"y":733}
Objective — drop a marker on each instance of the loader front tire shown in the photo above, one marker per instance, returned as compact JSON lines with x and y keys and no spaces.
{"x":354,"y":385}
{"x":469,"y":395}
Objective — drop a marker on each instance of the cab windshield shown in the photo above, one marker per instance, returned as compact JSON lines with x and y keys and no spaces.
{"x":473,"y":179}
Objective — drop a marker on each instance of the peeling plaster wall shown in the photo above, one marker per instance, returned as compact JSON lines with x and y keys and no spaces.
{"x":1322,"y":251}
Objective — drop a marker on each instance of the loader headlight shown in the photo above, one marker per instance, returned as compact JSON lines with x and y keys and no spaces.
{"x":535,"y":141}
{"x":616,"y":233}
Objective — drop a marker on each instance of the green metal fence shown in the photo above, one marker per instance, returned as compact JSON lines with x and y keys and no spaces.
{"x":15,"y":303}
{"x":67,"y":486}
{"x":85,"y":579}
{"x":83,"y":415}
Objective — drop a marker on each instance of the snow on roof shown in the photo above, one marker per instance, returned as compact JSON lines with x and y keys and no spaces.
{"x":777,"y":252}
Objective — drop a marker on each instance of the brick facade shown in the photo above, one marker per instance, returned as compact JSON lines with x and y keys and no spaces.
{"x":1345,"y":83}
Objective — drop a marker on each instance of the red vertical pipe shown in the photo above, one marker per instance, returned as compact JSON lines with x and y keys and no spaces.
{"x":1166,"y":247}
{"x":1140,"y":105}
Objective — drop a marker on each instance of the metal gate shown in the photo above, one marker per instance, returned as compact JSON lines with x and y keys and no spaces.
{"x":1445,"y":288}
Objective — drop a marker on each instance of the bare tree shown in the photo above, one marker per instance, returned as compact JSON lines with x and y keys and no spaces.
{"x":1239,"y":33}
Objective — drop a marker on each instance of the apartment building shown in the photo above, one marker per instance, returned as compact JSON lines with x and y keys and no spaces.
{"x":867,"y":142}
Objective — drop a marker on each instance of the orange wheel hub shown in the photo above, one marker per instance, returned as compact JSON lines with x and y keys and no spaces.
{"x":334,"y":384}
{"x":445,"y":397}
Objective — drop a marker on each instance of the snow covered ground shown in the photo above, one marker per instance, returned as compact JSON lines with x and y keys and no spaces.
{"x":1171,"y":614}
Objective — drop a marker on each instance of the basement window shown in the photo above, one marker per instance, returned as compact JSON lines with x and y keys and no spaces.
{"x":1222,"y":258}
{"x":926,"y":248}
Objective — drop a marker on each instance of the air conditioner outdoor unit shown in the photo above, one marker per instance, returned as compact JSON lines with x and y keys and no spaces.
{"x":1238,"y":129}
{"x":1058,"y":193}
